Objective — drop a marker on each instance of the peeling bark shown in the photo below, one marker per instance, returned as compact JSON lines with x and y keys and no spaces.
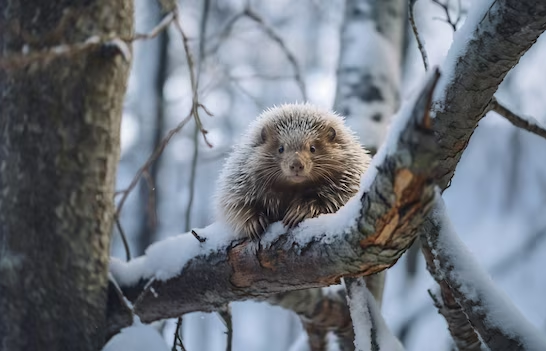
{"x":59,"y":147}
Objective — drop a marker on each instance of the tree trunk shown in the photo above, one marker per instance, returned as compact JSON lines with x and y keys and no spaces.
{"x":59,"y":149}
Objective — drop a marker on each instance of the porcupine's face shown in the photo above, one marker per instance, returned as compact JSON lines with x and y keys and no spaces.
{"x":298,"y":158}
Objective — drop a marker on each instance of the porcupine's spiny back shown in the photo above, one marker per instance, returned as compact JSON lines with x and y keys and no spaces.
{"x":295,"y":161}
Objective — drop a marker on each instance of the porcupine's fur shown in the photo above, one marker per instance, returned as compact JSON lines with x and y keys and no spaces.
{"x":318,"y":171}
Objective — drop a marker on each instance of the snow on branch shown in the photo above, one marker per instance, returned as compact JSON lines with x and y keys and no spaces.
{"x":181,"y":274}
{"x":461,"y":330}
{"x":371,"y":332}
{"x":491,"y":313}
{"x":491,"y":41}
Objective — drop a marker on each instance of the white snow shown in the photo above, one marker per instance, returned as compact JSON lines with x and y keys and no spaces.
{"x":461,"y":38}
{"x":462,"y":268}
{"x":137,"y":337}
{"x":166,"y":259}
{"x":366,"y":316}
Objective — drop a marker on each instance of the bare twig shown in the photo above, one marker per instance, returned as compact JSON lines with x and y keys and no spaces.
{"x":157,"y":152}
{"x":177,"y":338}
{"x":193,"y":79}
{"x":123,"y":239}
{"x":225,"y":315}
{"x":516,"y":120}
{"x":449,"y":20}
{"x":199,"y":238}
{"x":250,"y":13}
{"x":195,"y":84}
{"x":417,"y":37}
{"x":165,"y":22}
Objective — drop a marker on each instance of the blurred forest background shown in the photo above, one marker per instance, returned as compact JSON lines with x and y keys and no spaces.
{"x":497,"y":199}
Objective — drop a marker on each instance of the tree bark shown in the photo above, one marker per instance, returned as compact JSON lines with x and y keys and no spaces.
{"x":391,"y":210}
{"x":472,"y":75}
{"x":59,"y":149}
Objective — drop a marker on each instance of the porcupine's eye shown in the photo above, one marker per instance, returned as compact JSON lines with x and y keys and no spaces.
{"x":312,"y":149}
{"x":281,"y":149}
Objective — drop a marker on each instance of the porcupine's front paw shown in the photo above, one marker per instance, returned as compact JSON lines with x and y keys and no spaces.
{"x":255,"y":226}
{"x":298,"y":213}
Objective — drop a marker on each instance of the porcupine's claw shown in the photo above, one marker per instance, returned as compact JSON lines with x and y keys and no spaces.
{"x":295,"y":215}
{"x":256,"y":226}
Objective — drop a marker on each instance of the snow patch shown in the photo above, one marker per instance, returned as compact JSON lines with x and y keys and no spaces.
{"x":461,"y":38}
{"x":166,"y":259}
{"x":474,"y":282}
{"x":366,"y":316}
{"x":137,"y":337}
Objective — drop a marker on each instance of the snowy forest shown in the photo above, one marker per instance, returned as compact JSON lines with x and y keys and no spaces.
{"x":115,"y":121}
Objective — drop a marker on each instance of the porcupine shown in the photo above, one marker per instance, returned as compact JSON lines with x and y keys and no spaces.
{"x":295,"y":161}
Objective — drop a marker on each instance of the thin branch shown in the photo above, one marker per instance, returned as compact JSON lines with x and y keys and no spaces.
{"x":157,"y":152}
{"x":270,"y":31}
{"x":123,"y":239}
{"x":516,"y":120}
{"x":46,"y":55}
{"x":225,"y":315}
{"x":449,"y":20}
{"x":196,"y":236}
{"x":177,"y":340}
{"x":193,"y":79}
{"x":195,"y":84}
{"x":420,"y":45}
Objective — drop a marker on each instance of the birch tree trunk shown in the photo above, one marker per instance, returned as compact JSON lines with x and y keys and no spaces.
{"x":59,"y":149}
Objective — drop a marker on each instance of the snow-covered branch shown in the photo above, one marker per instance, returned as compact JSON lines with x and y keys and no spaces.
{"x":493,"y":38}
{"x":371,"y":332}
{"x":491,"y":313}
{"x":180,"y":274}
{"x":461,"y":330}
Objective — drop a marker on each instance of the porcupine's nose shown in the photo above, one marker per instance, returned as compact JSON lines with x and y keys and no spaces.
{"x":296,"y":166}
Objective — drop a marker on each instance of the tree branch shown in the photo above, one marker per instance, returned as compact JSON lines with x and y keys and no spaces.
{"x":461,"y":330}
{"x":370,"y":328}
{"x":392,"y":208}
{"x":493,"y":316}
{"x":474,"y":72}
{"x":516,"y":120}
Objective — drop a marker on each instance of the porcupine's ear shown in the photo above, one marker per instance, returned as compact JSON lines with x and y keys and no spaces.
{"x":331,"y":134}
{"x":265,"y":135}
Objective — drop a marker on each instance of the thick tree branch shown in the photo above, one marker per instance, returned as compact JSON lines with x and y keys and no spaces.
{"x":392,"y":208}
{"x":493,"y":316}
{"x":474,"y":71}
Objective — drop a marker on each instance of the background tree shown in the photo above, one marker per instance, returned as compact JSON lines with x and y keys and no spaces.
{"x":60,"y":122}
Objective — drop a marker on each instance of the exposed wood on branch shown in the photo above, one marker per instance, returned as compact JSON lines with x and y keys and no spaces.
{"x":398,"y":198}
